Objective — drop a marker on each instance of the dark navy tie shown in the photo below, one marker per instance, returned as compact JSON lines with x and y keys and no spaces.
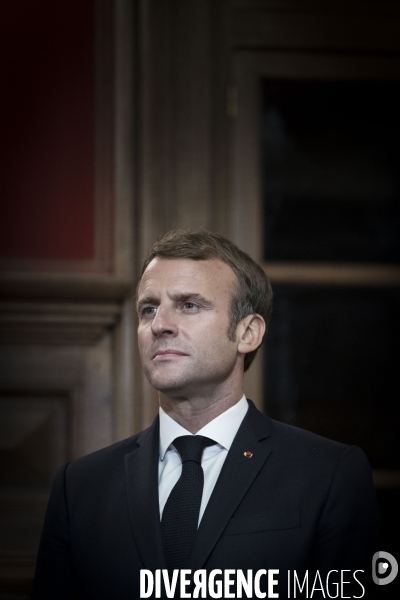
{"x":181,"y":512}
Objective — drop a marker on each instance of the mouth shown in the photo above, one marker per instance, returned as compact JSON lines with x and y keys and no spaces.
{"x":167,"y":354}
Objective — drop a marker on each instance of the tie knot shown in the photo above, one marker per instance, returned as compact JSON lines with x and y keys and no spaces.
{"x":190,"y":447}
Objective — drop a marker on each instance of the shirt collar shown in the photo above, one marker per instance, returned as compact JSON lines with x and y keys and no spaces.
{"x":222,"y":429}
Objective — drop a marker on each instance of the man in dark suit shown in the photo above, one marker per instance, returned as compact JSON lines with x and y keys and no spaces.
{"x":262,"y":495}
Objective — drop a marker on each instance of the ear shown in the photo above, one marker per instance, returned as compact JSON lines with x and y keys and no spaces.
{"x":250,"y":333}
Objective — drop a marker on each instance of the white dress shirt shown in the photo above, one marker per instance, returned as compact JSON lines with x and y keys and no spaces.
{"x":222,"y":430}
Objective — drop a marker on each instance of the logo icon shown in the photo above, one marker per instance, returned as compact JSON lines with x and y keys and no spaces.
{"x":384,"y":568}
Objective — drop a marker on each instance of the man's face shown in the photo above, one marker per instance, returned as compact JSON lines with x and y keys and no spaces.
{"x":183,"y":308}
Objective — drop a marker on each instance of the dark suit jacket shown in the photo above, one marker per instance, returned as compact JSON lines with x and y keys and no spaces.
{"x":301,"y":502}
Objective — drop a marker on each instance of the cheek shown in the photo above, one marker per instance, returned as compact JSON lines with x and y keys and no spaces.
{"x":218,"y":345}
{"x":142,"y":336}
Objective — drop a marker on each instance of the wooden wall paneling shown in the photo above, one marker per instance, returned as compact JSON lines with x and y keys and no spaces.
{"x":102,"y":260}
{"x":83,"y":372}
{"x":181,"y":70}
{"x":276,"y":28}
{"x":250,"y":68}
{"x":109,"y":274}
{"x":192,"y":66}
{"x":55,"y":323}
{"x":124,"y":159}
{"x":38,"y":401}
{"x":56,"y":405}
{"x":47,"y":139}
{"x":221,"y":42}
{"x":155,"y":156}
{"x":127,"y":374}
{"x":127,"y":390}
{"x":35,"y":439}
{"x":97,"y":430}
{"x":104,"y":142}
{"x":89,"y":287}
{"x":246,"y":215}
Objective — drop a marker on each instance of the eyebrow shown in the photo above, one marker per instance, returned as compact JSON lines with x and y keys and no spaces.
{"x":180,"y":297}
{"x":192,"y":296}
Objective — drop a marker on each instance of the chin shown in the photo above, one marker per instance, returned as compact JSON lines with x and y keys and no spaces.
{"x":165,"y":383}
{"x":165,"y":379}
{"x":168,"y":387}
{"x":176,"y":387}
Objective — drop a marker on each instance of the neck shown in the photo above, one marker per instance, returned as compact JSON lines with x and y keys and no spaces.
{"x":195,"y":413}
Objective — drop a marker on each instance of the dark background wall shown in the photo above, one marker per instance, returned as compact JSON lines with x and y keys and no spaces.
{"x":47,"y":103}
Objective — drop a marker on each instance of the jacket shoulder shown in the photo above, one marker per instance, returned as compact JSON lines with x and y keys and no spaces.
{"x":303,"y":447}
{"x":302,"y":438}
{"x":289,"y":437}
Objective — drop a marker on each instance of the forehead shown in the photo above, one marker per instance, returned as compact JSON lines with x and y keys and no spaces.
{"x":212,"y":276}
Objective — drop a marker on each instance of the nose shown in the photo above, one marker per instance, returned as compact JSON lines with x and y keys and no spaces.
{"x":164,"y":322}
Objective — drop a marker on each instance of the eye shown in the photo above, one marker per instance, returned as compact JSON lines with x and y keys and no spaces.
{"x":148,"y":311}
{"x":189,"y":305}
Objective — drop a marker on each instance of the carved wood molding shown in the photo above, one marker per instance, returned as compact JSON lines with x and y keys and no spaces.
{"x":55,"y":323}
{"x":342,"y":274}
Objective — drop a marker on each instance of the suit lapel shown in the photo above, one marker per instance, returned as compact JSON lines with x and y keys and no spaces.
{"x":237,"y":475}
{"x":141,"y":468}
